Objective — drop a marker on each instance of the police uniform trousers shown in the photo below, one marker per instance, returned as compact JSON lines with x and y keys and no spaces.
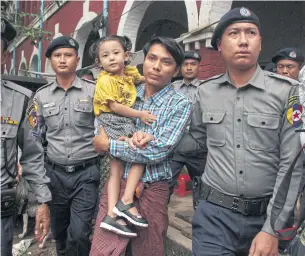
{"x":218,"y":231}
{"x":74,"y":199}
{"x":7,"y":231}
{"x":194,"y":163}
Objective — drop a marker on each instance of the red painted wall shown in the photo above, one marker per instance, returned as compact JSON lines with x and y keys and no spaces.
{"x":211,"y":64}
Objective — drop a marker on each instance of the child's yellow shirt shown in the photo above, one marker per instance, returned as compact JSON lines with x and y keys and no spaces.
{"x":115,"y":88}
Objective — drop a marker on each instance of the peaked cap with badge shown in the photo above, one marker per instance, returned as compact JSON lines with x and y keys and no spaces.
{"x":8,"y":32}
{"x":192,"y":55}
{"x":236,"y":15}
{"x":62,"y":42}
{"x":291,"y":53}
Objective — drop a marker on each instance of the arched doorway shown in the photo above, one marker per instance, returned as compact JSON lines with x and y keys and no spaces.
{"x":21,"y":71}
{"x":34,"y":65}
{"x":171,"y":21}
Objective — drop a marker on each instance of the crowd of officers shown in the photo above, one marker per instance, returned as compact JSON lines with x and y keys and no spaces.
{"x":241,"y":140}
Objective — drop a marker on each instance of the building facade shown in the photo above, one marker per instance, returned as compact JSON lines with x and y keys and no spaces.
{"x":283,"y":25}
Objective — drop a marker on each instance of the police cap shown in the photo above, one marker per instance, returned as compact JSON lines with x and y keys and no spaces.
{"x":8,"y":32}
{"x":192,"y":55}
{"x":236,"y":15}
{"x":61,"y":42}
{"x":290,"y":53}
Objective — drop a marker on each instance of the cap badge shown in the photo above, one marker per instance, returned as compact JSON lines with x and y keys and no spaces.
{"x":292,"y":54}
{"x":245,"y":12}
{"x":71,"y":42}
{"x":3,"y":26}
{"x":196,"y":55}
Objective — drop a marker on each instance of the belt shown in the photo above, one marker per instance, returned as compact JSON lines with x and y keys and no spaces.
{"x":253,"y":206}
{"x":73,"y":168}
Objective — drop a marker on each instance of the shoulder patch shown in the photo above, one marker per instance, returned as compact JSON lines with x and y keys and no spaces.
{"x":283,"y":78}
{"x":211,"y":78}
{"x":17,"y":88}
{"x":44,"y":86}
{"x":32,"y":116}
{"x":89,"y":81}
{"x":294,"y":111}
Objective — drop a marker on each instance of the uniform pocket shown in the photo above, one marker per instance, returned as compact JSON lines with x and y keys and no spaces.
{"x":216,"y":128}
{"x":263,"y":132}
{"x":83,"y":113}
{"x":51,"y":116}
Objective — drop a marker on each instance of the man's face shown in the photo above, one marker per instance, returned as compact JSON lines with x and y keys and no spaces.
{"x":288,"y":68}
{"x":64,"y":61}
{"x":159,"y":67}
{"x":190,"y":69}
{"x":240,"y":45}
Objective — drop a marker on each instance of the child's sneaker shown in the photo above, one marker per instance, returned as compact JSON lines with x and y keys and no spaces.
{"x":112,"y":225}
{"x":121,"y":210}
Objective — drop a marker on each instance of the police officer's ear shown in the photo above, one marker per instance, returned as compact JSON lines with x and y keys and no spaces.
{"x":218,"y":45}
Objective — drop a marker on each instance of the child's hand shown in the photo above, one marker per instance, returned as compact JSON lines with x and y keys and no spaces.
{"x":147,"y":117}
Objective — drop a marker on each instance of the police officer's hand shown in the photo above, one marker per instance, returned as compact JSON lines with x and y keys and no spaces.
{"x":42,"y":224}
{"x":264,"y":244}
{"x":101,"y":142}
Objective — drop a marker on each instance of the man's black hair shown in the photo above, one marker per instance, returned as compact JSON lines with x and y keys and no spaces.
{"x":81,"y":72}
{"x":170,"y":45}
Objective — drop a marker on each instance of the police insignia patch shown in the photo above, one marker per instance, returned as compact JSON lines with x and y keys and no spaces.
{"x":294,"y":113}
{"x":244,"y":12}
{"x":32,"y":116}
{"x":71,"y":42}
{"x":292,"y":54}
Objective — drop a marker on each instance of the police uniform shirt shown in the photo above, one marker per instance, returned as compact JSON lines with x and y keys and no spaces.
{"x":19,"y":127}
{"x":250,"y":135}
{"x":190,"y":90}
{"x":69,"y":121}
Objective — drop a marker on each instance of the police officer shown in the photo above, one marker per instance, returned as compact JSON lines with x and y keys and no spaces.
{"x":66,"y":112}
{"x":289,"y":62}
{"x":187,"y":152}
{"x":247,"y":118}
{"x":19,"y":127}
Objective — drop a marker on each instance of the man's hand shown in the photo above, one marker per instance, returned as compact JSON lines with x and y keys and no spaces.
{"x":139,"y":139}
{"x":101,"y":142}
{"x":264,"y":244}
{"x":147,"y":117}
{"x":42,"y":222}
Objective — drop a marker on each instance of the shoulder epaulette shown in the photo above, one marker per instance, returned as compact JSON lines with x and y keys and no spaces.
{"x":211,"y":78}
{"x":283,"y":78}
{"x":89,"y":81}
{"x":17,"y":88}
{"x":44,"y":86}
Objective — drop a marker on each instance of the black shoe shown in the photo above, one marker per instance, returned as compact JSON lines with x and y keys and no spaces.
{"x":121,"y":210}
{"x":110,"y":224}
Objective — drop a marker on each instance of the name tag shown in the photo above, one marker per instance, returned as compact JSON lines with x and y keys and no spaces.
{"x":51,"y":104}
{"x":83,"y":100}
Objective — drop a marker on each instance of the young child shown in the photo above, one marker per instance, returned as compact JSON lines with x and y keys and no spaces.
{"x":115,"y":94}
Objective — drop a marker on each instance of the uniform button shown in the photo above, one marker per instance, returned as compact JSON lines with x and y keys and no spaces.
{"x":68,"y":156}
{"x":263,"y":123}
{"x":241,"y":172}
{"x":66,"y":124}
{"x":50,"y":112}
{"x":66,"y":94}
{"x":239,"y":120}
{"x":238,"y":146}
{"x":4,"y":133}
{"x":65,"y":108}
{"x":211,"y":118}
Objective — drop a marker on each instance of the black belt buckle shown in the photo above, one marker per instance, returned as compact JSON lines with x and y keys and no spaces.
{"x":235,"y":203}
{"x":70,"y":168}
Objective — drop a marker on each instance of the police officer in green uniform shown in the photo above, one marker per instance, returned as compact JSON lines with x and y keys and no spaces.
{"x":247,"y":117}
{"x":20,"y":128}
{"x":65,"y":110}
{"x":187,"y":152}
